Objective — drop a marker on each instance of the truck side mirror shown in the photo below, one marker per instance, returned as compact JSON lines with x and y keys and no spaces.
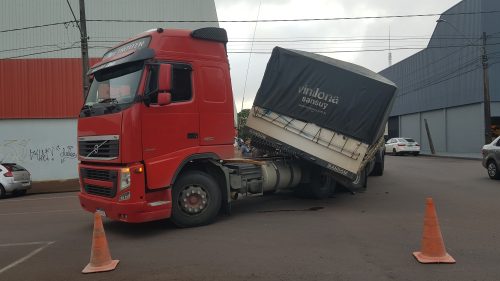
{"x":164,"y":99}
{"x":165,"y":78}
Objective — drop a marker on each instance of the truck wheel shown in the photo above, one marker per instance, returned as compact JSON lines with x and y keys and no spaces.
{"x":378,"y":168}
{"x":321,"y":186}
{"x":196,"y":199}
{"x":361,"y":181}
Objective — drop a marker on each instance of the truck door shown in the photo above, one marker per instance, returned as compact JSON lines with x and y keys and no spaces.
{"x":216,"y":106}
{"x":171,"y":128}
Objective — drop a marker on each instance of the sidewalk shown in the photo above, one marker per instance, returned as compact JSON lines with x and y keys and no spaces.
{"x":54,"y":186}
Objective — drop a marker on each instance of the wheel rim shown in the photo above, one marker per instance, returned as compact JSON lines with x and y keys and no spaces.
{"x":492,"y":169}
{"x":193,"y":199}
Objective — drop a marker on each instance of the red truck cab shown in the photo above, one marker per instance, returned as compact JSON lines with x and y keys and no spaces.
{"x":158,"y":116}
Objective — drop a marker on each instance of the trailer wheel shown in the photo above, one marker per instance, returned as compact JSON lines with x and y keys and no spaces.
{"x":378,"y":168}
{"x":321,"y":186}
{"x":196,"y":199}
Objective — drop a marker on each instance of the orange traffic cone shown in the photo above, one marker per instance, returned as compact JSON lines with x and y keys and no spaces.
{"x":100,"y":258}
{"x":433,"y":250}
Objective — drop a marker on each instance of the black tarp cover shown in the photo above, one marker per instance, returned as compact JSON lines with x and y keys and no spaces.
{"x":330,"y":93}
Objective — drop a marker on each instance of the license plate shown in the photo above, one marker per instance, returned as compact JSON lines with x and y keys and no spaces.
{"x":410,"y":145}
{"x":101,"y":212}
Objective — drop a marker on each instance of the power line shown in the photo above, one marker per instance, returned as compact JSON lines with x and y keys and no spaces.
{"x":439,"y":81}
{"x":350,"y":39}
{"x":431,"y":63}
{"x":259,"y":52}
{"x":36,"y":47}
{"x":438,"y":76}
{"x":295,"y":20}
{"x":44,"y":52}
{"x":250,"y":57}
{"x":35,"y":26}
{"x":252,"y":21}
{"x":76,"y":21}
{"x":370,"y":50}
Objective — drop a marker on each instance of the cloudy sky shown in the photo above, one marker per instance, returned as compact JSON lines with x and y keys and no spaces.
{"x":333,"y":38}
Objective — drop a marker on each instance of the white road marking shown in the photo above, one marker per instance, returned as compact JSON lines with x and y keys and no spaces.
{"x":23,"y":259}
{"x":42,"y":212}
{"x":26,"y":244}
{"x":35,"y":199}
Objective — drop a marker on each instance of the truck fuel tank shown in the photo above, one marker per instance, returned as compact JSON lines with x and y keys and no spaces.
{"x":266,"y":176}
{"x":280,"y":175}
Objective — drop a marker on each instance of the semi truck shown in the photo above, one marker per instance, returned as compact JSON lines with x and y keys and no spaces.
{"x":156,"y":131}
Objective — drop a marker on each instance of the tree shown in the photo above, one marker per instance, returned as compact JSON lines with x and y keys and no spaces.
{"x":242,"y":121}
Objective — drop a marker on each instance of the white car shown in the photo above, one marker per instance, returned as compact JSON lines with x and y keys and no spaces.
{"x":14,"y":179}
{"x":399,"y":146}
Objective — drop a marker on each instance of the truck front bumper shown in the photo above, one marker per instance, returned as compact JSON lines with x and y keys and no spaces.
{"x":133,"y":212}
{"x":101,"y":191}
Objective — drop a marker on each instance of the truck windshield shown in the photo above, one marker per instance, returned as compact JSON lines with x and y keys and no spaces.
{"x":112,"y":90}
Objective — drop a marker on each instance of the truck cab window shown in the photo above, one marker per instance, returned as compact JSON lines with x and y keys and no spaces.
{"x":181,"y":83}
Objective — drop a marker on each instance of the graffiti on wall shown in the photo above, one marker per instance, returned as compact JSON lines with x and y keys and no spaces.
{"x":23,"y":151}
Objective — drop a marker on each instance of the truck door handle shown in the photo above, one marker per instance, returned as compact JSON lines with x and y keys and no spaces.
{"x":192,"y":135}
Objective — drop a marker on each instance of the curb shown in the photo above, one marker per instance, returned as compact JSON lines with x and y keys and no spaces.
{"x":70,"y":185}
{"x":451,"y":157}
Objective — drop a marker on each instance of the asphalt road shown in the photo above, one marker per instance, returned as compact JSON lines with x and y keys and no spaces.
{"x":367,"y":236}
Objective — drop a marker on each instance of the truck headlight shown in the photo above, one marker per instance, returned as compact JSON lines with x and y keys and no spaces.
{"x":124,"y":178}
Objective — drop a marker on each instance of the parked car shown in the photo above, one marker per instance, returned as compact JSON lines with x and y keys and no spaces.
{"x":14,"y":179}
{"x":491,"y":158}
{"x":399,"y":146}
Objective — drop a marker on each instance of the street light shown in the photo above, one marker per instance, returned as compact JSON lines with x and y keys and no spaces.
{"x":486,"y":82}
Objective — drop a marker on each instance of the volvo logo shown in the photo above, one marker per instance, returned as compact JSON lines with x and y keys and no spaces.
{"x":96,"y":148}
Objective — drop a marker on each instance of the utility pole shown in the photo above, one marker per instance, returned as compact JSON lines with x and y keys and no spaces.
{"x":486,"y":82}
{"x":486,"y":92}
{"x":84,"y":47}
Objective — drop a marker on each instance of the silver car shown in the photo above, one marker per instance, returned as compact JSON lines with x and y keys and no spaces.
{"x":14,"y":179}
{"x":491,"y":158}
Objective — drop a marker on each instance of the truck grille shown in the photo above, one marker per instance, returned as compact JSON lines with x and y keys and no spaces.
{"x":100,"y":191}
{"x":99,"y":147}
{"x":101,"y":175}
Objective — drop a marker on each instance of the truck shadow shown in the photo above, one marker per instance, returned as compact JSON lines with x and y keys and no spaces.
{"x":139,"y":230}
{"x":283,"y":202}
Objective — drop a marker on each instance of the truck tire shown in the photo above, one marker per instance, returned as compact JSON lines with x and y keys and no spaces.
{"x":321,"y":186}
{"x":378,"y":168}
{"x":196,"y":199}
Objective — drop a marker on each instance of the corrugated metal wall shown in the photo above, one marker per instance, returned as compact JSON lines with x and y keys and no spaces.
{"x":444,"y":83}
{"x":40,"y":69}
{"x":449,"y":73}
{"x":462,"y":131}
{"x":40,"y":88}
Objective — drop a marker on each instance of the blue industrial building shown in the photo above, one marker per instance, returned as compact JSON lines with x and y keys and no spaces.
{"x":443,"y":84}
